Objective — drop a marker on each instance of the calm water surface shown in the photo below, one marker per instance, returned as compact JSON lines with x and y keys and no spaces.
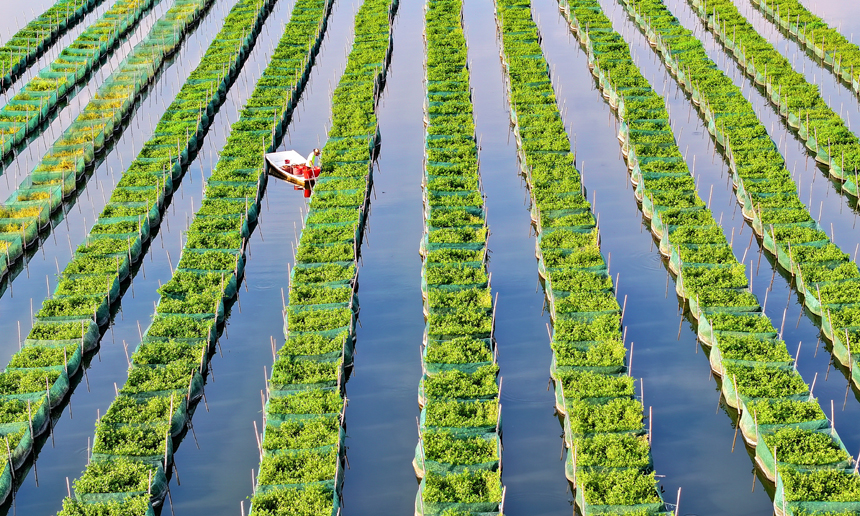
{"x":692,"y":434}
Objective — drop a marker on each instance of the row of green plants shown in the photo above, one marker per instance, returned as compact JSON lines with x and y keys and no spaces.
{"x":43,"y":190}
{"x":836,"y":51}
{"x":24,"y":113}
{"x":29,"y":43}
{"x":169,"y":366}
{"x":779,"y":418}
{"x":825,"y":276}
{"x":608,"y":448}
{"x":459,"y":465}
{"x":67,"y":326}
{"x":302,"y":451}
{"x":827,"y":137}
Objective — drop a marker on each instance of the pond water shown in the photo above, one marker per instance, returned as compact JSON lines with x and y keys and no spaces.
{"x":693,"y":435}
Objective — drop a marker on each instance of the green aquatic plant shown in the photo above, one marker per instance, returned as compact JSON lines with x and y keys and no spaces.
{"x":466,"y":487}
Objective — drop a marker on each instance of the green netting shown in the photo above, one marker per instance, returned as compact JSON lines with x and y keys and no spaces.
{"x":100,"y":315}
{"x":39,"y":414}
{"x":142,"y":210}
{"x":649,"y":509}
{"x":843,"y":349}
{"x":339,"y":445}
{"x":719,"y":362}
{"x":765,"y":459}
{"x":423,"y":399}
{"x":697,"y":310}
{"x":72,"y":361}
{"x":64,"y":179}
{"x":11,"y":248}
{"x":140,"y":221}
{"x":109,"y":281}
{"x":330,"y":332}
{"x":191,"y":325}
{"x":132,"y":240}
{"x":88,"y":131}
{"x":458,"y":431}
{"x":26,"y":229}
{"x":557,"y":370}
{"x":72,"y":166}
{"x":231,"y":280}
{"x":268,"y":496}
{"x":89,"y":339}
{"x":181,"y":414}
{"x":736,"y":400}
{"x":750,"y":427}
{"x":709,"y":335}
{"x":423,"y":508}
{"x":275,"y":417}
{"x":427,"y":246}
{"x":155,"y":459}
{"x":306,"y":267}
{"x":437,"y":367}
{"x":17,"y":454}
{"x":47,"y":196}
{"x":423,"y":465}
{"x":12,"y":133}
{"x":811,"y":507}
{"x":819,"y":306}
{"x":6,"y":483}
{"x":432,"y":333}
{"x":336,"y":359}
{"x":31,"y":108}
{"x":157,"y":490}
{"x":57,"y":391}
{"x":426,"y":288}
{"x":36,"y":36}
{"x":86,"y":149}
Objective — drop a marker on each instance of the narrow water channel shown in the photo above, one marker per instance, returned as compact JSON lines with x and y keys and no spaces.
{"x":381,"y":416}
{"x":692,"y":436}
{"x":532,"y":469}
{"x":9,"y":25}
{"x":814,"y":189}
{"x":843,"y":16}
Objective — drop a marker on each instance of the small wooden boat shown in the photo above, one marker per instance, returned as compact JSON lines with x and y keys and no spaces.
{"x":292,"y":167}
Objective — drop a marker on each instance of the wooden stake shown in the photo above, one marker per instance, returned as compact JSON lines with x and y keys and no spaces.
{"x":797,"y":355}
{"x":630,"y":362}
{"x":650,"y":423}
{"x":832,"y":417}
{"x":782,"y":326}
